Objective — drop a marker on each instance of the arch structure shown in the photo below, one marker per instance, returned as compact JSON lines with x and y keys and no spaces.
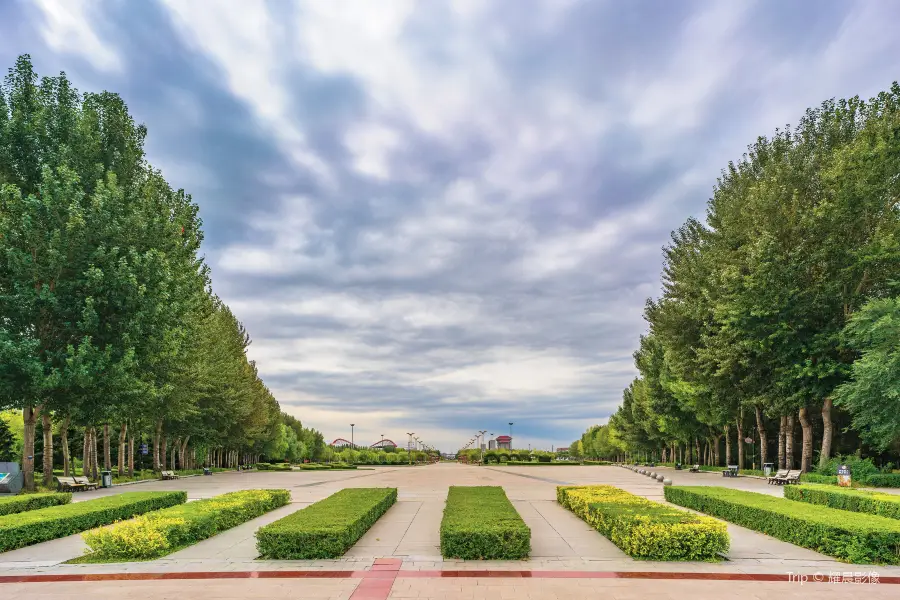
{"x":385,"y":443}
{"x":340,"y":443}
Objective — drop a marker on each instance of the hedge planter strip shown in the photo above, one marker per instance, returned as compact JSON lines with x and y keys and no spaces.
{"x":24,"y":529}
{"x":164,"y":531}
{"x":644,"y":529}
{"x":328,"y":528}
{"x":481,"y":523}
{"x":17,"y":504}
{"x":873,"y":503}
{"x":851,"y":537}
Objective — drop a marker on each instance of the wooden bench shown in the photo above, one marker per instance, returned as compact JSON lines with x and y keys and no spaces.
{"x":68,"y":484}
{"x":694,"y":469}
{"x":789,"y":478}
{"x":87,"y":483}
{"x":168,"y":474}
{"x":731,"y":471}
{"x":779,"y":475}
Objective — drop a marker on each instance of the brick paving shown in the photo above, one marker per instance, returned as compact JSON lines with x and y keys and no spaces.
{"x":409,"y":534}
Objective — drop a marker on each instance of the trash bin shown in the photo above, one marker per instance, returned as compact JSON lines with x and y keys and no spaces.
{"x":106,"y":479}
{"x":207,"y":471}
{"x":768,"y":468}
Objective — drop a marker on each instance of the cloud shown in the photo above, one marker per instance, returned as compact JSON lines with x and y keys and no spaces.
{"x":444,"y":216}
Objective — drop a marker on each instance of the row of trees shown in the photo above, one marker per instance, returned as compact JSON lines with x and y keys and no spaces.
{"x":780,"y":312}
{"x":107,"y":320}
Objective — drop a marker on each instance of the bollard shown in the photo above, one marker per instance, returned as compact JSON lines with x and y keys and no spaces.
{"x":667,"y":482}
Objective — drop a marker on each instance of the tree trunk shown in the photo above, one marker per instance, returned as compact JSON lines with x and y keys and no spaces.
{"x":86,"y":453}
{"x":717,"y":454}
{"x":807,"y":447}
{"x":123,"y":430}
{"x":184,"y":453}
{"x":164,"y":448}
{"x":782,"y":430}
{"x":697,"y":445}
{"x":763,"y":437}
{"x":29,"y":417}
{"x":107,"y":459}
{"x":727,"y":445}
{"x":95,"y":457}
{"x":157,"y":439}
{"x":64,"y":440}
{"x":827,"y":432}
{"x":176,"y":445}
{"x":48,"y":448}
{"x":740,"y":440}
{"x":131,"y":454}
{"x":789,"y":442}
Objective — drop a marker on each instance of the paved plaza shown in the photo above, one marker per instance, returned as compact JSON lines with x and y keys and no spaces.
{"x":399,"y":557}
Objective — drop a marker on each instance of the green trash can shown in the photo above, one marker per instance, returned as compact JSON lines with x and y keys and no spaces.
{"x":106,"y":479}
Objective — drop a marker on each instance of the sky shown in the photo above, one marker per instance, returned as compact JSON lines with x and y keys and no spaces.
{"x":442,"y":216}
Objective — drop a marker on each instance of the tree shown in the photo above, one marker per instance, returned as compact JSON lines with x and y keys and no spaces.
{"x":7,"y":442}
{"x":873,"y":392}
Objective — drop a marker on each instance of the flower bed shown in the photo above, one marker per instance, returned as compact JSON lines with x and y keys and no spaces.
{"x":481,"y":523}
{"x":16,"y":504}
{"x":35,"y":526}
{"x":161,"y":532}
{"x":852,"y":537}
{"x":873,"y":503}
{"x":328,"y":528}
{"x":645,"y":529}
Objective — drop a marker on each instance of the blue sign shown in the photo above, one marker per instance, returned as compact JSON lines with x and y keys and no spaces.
{"x":144,"y":449}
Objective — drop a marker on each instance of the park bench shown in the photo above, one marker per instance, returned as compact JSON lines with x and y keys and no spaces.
{"x":789,"y":478}
{"x":731,"y":471}
{"x":86,"y":483}
{"x":694,"y":469}
{"x":777,"y":476}
{"x":68,"y":484}
{"x":168,"y":475}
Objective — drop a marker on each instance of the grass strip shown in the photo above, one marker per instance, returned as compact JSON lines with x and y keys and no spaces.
{"x":24,"y":529}
{"x":11,"y":505}
{"x":481,"y":523}
{"x":851,"y":537}
{"x":326,"y":529}
{"x":861,"y":501}
{"x":161,"y":532}
{"x":645,"y":529}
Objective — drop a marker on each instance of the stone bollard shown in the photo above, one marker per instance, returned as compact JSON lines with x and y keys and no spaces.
{"x":653,"y":475}
{"x":667,"y":482}
{"x":659,"y":477}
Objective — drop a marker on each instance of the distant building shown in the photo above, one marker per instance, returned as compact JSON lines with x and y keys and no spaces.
{"x":562,"y":450}
{"x":504,"y":442}
{"x":492,"y":444}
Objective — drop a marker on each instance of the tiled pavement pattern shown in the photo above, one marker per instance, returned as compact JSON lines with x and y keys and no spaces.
{"x":409,"y":531}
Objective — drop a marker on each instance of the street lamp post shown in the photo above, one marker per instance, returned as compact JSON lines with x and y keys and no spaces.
{"x":352,"y":425}
{"x":481,"y":445}
{"x":510,"y":435}
{"x":408,"y":445}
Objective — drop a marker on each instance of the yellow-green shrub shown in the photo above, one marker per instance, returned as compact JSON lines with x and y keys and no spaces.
{"x":645,"y":529}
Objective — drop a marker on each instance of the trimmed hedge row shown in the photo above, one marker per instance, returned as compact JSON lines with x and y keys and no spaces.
{"x":861,"y":501}
{"x":891,"y":480}
{"x":645,"y":529}
{"x":816,"y":478}
{"x":164,"y":531}
{"x":852,"y":537}
{"x":273,"y":467}
{"x":326,"y":529}
{"x":24,"y":529}
{"x":11,"y":505}
{"x":326,"y":467}
{"x":481,"y":523}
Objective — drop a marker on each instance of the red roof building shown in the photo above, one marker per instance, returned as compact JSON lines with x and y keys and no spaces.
{"x":504,"y":441}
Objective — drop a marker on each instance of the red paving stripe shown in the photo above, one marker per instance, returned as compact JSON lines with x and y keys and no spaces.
{"x":379,"y":581}
{"x":383,"y":577}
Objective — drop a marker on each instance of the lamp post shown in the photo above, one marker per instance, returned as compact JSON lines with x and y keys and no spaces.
{"x":510,"y":435}
{"x":481,"y":446}
{"x":352,"y":425}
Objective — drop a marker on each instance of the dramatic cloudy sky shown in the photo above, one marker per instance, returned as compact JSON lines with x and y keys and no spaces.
{"x":445,"y":215}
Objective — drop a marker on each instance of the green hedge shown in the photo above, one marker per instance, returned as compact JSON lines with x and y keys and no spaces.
{"x":891,"y":480}
{"x":873,"y":503}
{"x":163,"y":531}
{"x":273,"y":467}
{"x":852,"y":537}
{"x":816,"y":478}
{"x":15,"y":504}
{"x":328,"y":528}
{"x":325,"y":467}
{"x":481,"y":523}
{"x":645,"y":529}
{"x":35,"y":526}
